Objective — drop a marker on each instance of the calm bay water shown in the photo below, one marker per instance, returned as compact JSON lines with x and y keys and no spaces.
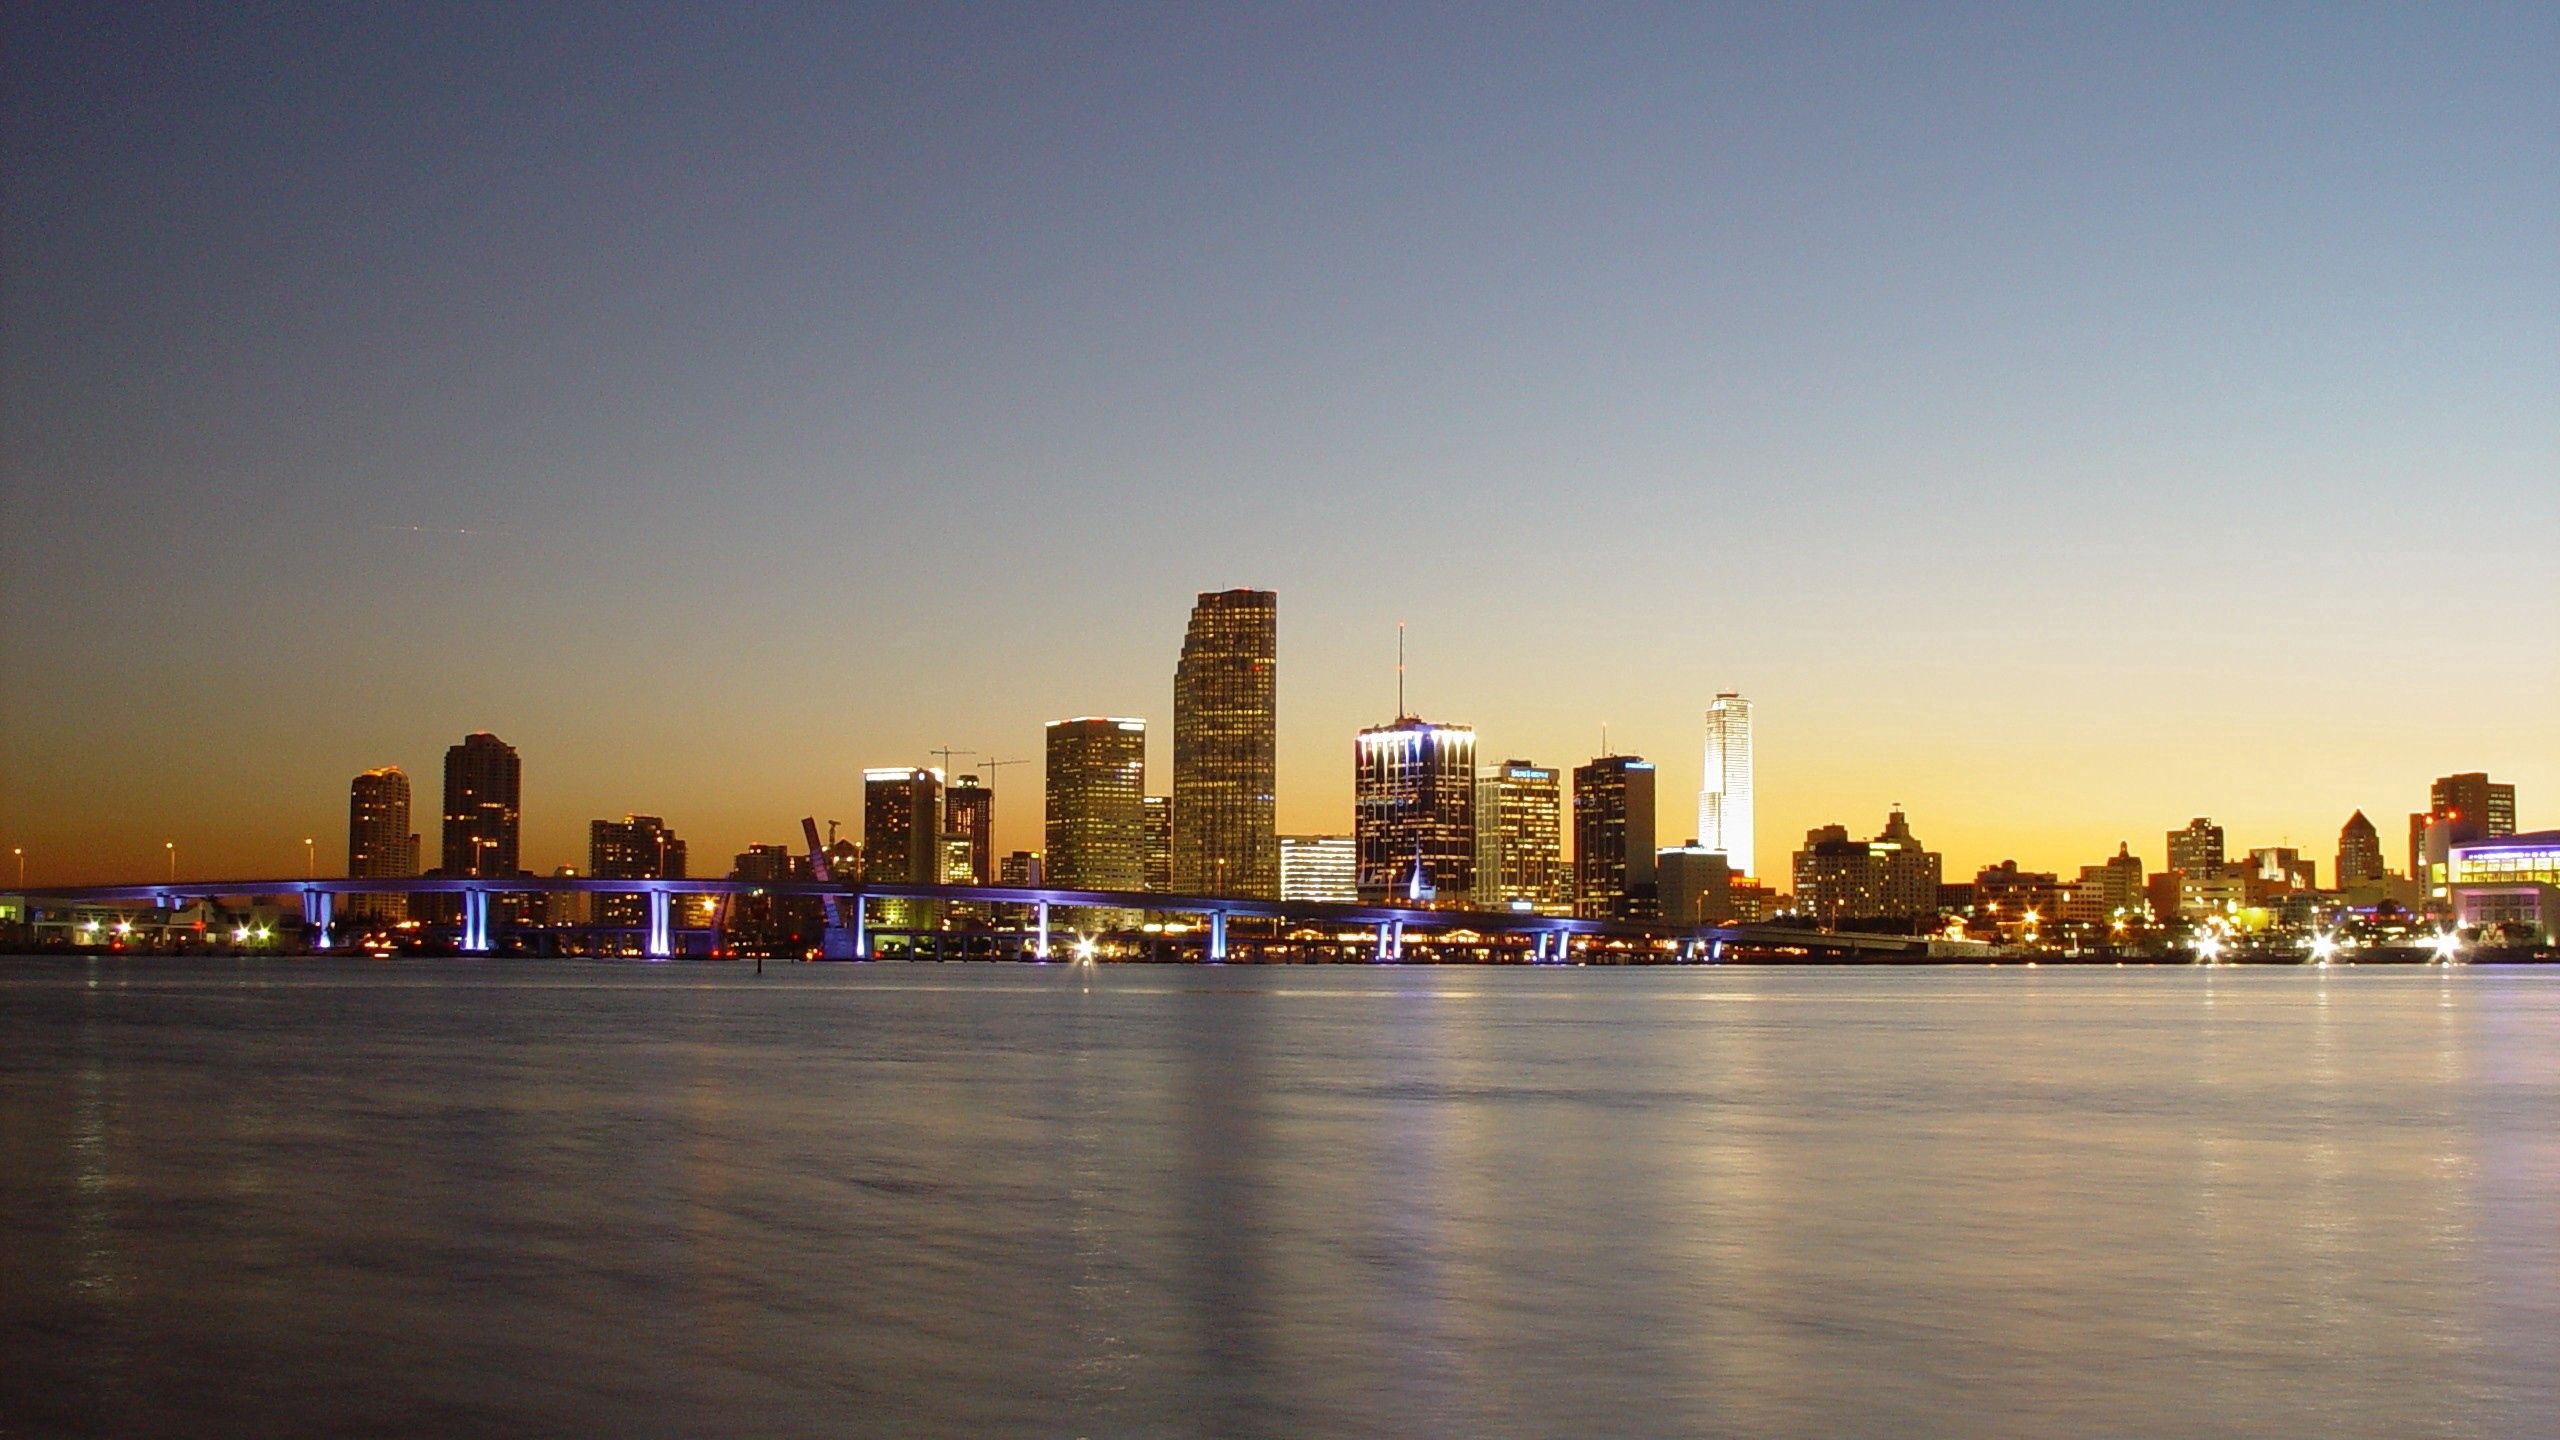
{"x":515,"y":1198}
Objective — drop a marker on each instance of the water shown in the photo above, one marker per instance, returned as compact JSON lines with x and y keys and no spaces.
{"x":515,"y":1198}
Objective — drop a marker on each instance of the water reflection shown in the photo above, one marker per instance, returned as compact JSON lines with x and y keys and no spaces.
{"x":681,"y":1200}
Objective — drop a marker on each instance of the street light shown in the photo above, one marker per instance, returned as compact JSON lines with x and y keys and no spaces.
{"x":310,"y":860}
{"x":172,"y":847}
{"x":21,"y":852}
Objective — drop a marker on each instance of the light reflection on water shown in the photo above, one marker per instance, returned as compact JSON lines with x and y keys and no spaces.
{"x":491,"y":1198}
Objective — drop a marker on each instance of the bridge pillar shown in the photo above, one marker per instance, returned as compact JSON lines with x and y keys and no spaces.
{"x":861,"y":927}
{"x":319,"y":912}
{"x":1217,"y":937}
{"x":475,"y":921}
{"x":1042,"y":948}
{"x":1382,"y":942}
{"x":661,"y":925}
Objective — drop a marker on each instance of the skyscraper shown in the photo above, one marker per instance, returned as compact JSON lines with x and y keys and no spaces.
{"x":2359,"y":852}
{"x":1225,"y":728}
{"x":2463,"y":808}
{"x":1520,"y":839}
{"x":969,"y":810}
{"x":380,"y":845}
{"x":1724,"y":802}
{"x":636,"y":847}
{"x":1613,"y":838}
{"x":902,"y":825}
{"x":483,"y":793}
{"x":2196,"y":850}
{"x":1413,"y":787}
{"x":1160,"y":843}
{"x":1097,"y":804}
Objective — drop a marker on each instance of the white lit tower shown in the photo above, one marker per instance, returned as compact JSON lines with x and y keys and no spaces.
{"x":1724,"y":803}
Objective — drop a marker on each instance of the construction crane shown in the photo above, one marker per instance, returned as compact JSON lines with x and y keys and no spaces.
{"x":990,"y":767}
{"x":946,"y":752}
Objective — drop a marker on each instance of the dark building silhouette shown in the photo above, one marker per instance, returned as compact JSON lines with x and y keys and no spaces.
{"x":636,"y":847}
{"x":380,"y":844}
{"x":1613,"y":838}
{"x":483,"y":795}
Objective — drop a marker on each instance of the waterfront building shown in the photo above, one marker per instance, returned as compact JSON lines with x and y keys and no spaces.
{"x":1159,"y":866}
{"x":1613,"y":838}
{"x":1224,"y":838}
{"x":1724,"y":802}
{"x":1695,"y":885}
{"x":1097,"y":816}
{"x":1414,"y":810}
{"x":483,"y":821}
{"x":1892,"y":877}
{"x":2005,"y":892}
{"x":902,"y":825}
{"x":2196,"y":850}
{"x":1319,"y":868}
{"x":2359,"y":852}
{"x":2511,"y":882}
{"x":1520,"y":840}
{"x":969,"y":809}
{"x":1752,"y":900}
{"x":380,"y":844}
{"x":2460,"y":809}
{"x":2107,"y":892}
{"x":637,"y":847}
{"x":2280,"y":869}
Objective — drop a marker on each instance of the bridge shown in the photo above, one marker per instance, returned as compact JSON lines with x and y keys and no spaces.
{"x":1384,"y":930}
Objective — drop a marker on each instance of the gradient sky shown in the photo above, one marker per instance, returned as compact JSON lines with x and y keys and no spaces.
{"x":2064,"y":420}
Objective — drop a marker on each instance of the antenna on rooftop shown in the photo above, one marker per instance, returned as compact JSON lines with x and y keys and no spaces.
{"x":1401,"y":712}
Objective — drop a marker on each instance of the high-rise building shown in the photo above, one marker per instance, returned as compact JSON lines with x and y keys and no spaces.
{"x":1911,"y":870}
{"x":380,"y":844}
{"x":2359,"y":852}
{"x":902,"y":825}
{"x":1319,"y":868}
{"x":1225,"y":730}
{"x":2196,"y":850}
{"x":1520,"y":840}
{"x":483,"y":793}
{"x":1892,"y":877}
{"x":1097,"y":803}
{"x":2461,"y":809}
{"x":1724,"y":802}
{"x":1020,"y":868}
{"x":1160,"y":844}
{"x":1613,"y":838}
{"x":636,"y":847}
{"x":2107,"y":892}
{"x":1413,"y":796}
{"x":1695,"y":885}
{"x":969,"y":809}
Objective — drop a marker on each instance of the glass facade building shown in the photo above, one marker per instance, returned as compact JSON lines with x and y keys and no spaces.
{"x":1520,"y":840}
{"x":1319,"y":868}
{"x":1225,"y":743}
{"x":1097,"y":804}
{"x":1724,"y":801}
{"x":1613,"y":838}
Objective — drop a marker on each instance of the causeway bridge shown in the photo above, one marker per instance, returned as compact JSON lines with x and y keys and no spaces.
{"x":1383,"y":931}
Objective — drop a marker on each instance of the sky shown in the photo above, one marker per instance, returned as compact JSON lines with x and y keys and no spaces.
{"x":2059,"y":420}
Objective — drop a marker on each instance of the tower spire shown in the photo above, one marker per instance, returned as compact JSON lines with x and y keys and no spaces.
{"x":1401,"y":712}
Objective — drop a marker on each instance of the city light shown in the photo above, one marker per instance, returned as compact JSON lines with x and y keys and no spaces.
{"x":2448,"y":947}
{"x":1085,"y":949}
{"x":2209,"y":949}
{"x":2324,"y":948}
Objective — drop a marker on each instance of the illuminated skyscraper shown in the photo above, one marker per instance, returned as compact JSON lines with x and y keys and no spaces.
{"x":1319,"y":867}
{"x":1520,"y":840}
{"x":902,"y":825}
{"x":1724,"y":802}
{"x":1414,"y":811}
{"x":483,"y":793}
{"x":1159,"y":843}
{"x":1613,"y":838}
{"x":2196,"y":850}
{"x":380,"y":845}
{"x":2359,"y":852}
{"x":637,"y":847}
{"x":1097,"y":804}
{"x":969,"y":809}
{"x":1225,"y":732}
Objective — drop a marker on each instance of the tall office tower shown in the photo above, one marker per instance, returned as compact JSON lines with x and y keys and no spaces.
{"x":1160,"y":843}
{"x":1224,"y":742}
{"x":637,"y":847}
{"x":902,"y":825}
{"x":1724,"y":802}
{"x":1613,"y":838}
{"x":1319,"y":868}
{"x":2468,"y":808}
{"x":380,"y":844}
{"x":1890,"y":877}
{"x":1520,"y":840}
{"x":2359,"y":852}
{"x":1097,"y":804}
{"x":1413,"y":797}
{"x":2196,"y":850}
{"x":969,"y":808}
{"x":483,"y":793}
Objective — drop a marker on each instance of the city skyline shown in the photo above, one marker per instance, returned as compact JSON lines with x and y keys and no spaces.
{"x":2043,"y":417}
